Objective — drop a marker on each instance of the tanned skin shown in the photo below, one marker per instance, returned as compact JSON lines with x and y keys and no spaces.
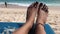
{"x":42,"y":13}
{"x":31,"y":12}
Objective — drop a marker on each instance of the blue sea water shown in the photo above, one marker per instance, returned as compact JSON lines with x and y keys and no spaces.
{"x":28,"y":2}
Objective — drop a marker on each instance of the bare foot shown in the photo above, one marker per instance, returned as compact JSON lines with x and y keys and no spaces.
{"x":42,"y":13}
{"x":31,"y":12}
{"x":41,"y":18}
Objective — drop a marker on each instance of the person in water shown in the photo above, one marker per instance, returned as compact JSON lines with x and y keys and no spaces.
{"x":5,"y":4}
{"x":42,"y":12}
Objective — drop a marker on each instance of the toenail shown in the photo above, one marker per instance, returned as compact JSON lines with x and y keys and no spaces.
{"x":36,"y":2}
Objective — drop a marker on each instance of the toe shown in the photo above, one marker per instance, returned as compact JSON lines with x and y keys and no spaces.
{"x":40,"y":6}
{"x":35,"y":4}
{"x":45,"y":8}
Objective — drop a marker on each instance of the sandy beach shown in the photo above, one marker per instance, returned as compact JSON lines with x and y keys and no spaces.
{"x":14,"y":13}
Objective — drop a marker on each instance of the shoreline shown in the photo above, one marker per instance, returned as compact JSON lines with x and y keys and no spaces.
{"x":27,"y":4}
{"x":12,"y":6}
{"x":17,"y":6}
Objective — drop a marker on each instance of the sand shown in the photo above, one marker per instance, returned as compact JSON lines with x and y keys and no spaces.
{"x":14,"y":13}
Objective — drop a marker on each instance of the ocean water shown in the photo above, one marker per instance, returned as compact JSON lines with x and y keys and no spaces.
{"x":28,"y":2}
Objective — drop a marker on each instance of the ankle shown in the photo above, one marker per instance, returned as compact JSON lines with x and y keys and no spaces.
{"x":41,"y":22}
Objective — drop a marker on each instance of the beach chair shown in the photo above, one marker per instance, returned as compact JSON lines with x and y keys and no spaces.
{"x":9,"y":27}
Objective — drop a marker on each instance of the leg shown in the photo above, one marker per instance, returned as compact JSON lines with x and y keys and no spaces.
{"x":41,"y":18}
{"x":29,"y":20}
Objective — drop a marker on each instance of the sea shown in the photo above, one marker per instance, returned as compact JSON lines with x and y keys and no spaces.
{"x":28,"y":2}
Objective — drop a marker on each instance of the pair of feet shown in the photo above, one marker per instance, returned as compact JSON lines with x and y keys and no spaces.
{"x":37,"y":8}
{"x":42,"y":12}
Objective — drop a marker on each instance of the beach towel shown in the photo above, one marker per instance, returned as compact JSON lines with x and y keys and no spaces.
{"x":9,"y":27}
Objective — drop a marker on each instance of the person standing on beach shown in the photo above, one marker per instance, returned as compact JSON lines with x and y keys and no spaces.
{"x":5,"y":4}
